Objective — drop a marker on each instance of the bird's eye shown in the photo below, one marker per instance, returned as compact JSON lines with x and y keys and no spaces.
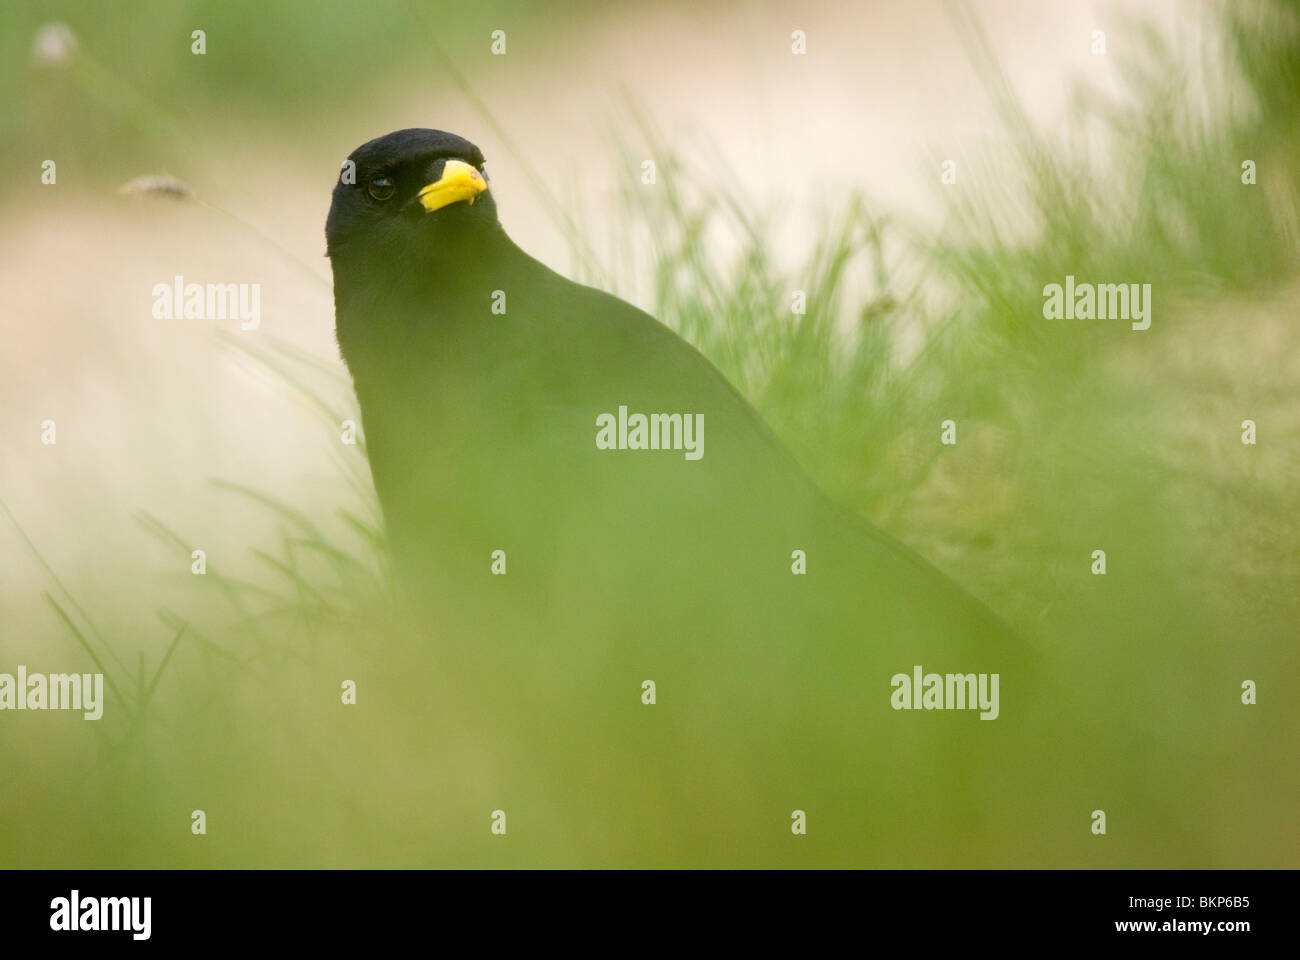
{"x":381,"y":188}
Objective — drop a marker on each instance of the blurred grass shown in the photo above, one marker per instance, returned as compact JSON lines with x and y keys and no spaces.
{"x":1071,"y":438}
{"x":136,"y":92}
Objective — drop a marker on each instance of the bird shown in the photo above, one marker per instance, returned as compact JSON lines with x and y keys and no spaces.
{"x":578,"y":502}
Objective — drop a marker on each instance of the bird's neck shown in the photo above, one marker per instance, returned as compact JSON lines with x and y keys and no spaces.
{"x":414,"y":305}
{"x":428,"y":330}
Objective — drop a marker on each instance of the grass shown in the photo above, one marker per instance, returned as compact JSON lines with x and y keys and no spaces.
{"x":1071,"y":438}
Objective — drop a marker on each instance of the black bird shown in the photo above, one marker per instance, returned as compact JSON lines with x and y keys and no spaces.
{"x":499,"y":405}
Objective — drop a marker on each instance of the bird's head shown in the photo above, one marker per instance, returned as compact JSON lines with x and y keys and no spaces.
{"x":409,"y":199}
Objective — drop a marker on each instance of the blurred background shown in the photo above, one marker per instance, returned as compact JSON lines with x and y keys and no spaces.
{"x":1112,"y":159}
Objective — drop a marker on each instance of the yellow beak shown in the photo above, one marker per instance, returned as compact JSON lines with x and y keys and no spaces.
{"x":459,"y":181}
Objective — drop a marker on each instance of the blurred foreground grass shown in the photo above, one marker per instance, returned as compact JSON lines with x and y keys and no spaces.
{"x":1073,"y":436}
